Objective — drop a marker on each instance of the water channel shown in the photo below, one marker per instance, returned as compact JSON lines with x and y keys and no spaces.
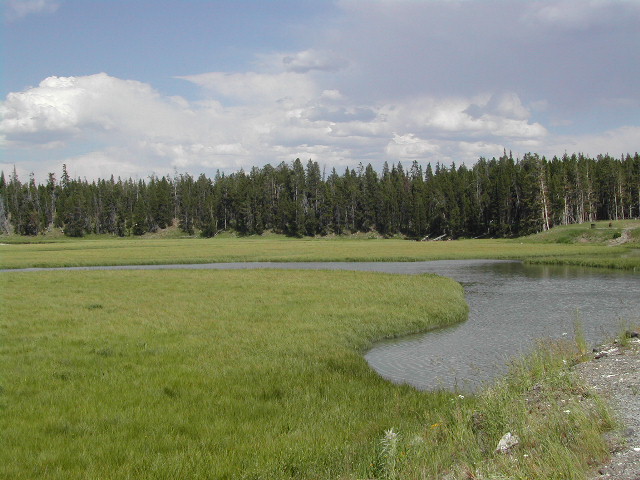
{"x":511,"y":305}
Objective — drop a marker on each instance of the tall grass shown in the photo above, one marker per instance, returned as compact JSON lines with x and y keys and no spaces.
{"x":260,"y":374}
{"x":251,"y":374}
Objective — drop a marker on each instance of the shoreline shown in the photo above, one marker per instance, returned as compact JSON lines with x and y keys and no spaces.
{"x":613,"y":372}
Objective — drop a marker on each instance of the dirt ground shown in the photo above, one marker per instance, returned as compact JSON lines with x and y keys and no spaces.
{"x":614,"y":373}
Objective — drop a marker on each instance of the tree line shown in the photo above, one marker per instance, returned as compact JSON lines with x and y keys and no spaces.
{"x":501,"y":197}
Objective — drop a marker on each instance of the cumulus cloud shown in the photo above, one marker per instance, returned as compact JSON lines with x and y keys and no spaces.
{"x":507,"y":105}
{"x":101,"y":125}
{"x":70,"y":106}
{"x":16,"y":9}
{"x":103,"y":164}
{"x":463,"y":116}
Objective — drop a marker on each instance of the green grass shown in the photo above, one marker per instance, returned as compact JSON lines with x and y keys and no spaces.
{"x":206,"y":374}
{"x":602,"y":233}
{"x":570,"y":245}
{"x":625,"y":256}
{"x":282,"y":249}
{"x":258,"y":374}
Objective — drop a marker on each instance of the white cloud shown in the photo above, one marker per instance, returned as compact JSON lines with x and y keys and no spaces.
{"x":252,"y":87}
{"x":46,"y":108}
{"x":470,"y":151}
{"x":331,"y":95}
{"x":309,"y":60}
{"x":509,"y":105}
{"x":72,"y":106}
{"x":410,"y":147}
{"x":16,"y":9}
{"x":616,"y":142}
{"x":103,"y":164}
{"x":505,"y":117}
{"x":101,"y":125}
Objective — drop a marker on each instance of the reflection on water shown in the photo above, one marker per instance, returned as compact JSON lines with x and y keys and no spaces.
{"x":511,"y":306}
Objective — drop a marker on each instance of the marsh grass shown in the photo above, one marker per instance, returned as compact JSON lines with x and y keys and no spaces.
{"x":114,"y":251}
{"x":260,"y":374}
{"x":251,"y":374}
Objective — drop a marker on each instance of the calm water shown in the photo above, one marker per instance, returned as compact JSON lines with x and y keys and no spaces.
{"x":511,"y":305}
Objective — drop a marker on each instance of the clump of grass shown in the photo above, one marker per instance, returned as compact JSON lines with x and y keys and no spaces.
{"x":558,"y":420}
{"x":579,"y":336}
{"x":620,"y":259}
{"x":389,"y":454}
{"x":626,"y":331}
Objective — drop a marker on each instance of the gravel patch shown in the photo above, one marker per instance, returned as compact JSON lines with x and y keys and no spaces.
{"x":614,"y":373}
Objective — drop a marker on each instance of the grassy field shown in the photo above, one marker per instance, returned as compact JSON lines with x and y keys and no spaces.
{"x":578,"y":245}
{"x":260,"y":374}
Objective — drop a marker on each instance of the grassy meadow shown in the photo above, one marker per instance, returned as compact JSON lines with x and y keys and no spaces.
{"x":576,"y":244}
{"x":259,"y":374}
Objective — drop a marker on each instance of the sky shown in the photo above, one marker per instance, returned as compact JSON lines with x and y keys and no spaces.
{"x":133,"y":88}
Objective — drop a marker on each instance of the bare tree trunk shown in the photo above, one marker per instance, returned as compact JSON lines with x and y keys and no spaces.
{"x":545,"y":209}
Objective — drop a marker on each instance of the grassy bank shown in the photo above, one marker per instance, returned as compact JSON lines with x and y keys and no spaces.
{"x":615,"y":246}
{"x":281,"y":249}
{"x":259,"y":374}
{"x":621,"y":239}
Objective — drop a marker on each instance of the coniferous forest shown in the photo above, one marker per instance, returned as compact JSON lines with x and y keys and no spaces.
{"x":501,"y":197}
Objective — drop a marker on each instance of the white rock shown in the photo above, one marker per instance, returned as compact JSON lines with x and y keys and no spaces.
{"x":507,"y":442}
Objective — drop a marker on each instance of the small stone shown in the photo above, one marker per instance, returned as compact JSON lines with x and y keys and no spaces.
{"x":631,"y":334}
{"x":507,"y":442}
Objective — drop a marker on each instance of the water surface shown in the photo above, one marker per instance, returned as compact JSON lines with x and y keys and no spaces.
{"x":511,"y":306}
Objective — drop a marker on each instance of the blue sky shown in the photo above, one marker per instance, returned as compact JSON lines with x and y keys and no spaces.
{"x":132,"y":88}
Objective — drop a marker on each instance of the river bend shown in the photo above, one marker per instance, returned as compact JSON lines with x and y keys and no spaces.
{"x":511,"y":305}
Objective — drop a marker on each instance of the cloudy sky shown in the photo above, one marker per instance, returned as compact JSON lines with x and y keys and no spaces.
{"x":134,"y":88}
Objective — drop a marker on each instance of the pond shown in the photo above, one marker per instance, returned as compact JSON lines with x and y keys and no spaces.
{"x":511,"y":306}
